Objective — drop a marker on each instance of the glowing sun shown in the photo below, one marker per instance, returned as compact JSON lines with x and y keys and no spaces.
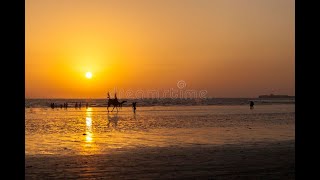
{"x":88,"y":75}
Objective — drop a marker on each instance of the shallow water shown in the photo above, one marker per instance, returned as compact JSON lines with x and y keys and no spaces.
{"x":95,"y":131}
{"x":45,"y":103}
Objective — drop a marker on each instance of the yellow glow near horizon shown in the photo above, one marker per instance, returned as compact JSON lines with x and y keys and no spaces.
{"x":88,"y":75}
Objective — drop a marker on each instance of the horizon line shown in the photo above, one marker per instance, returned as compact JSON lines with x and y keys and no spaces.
{"x":290,"y":96}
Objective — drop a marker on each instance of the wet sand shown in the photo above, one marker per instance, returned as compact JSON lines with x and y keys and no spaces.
{"x":252,"y":161}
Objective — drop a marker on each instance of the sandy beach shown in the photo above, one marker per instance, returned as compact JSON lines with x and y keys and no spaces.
{"x":196,"y":142}
{"x":261,"y":161}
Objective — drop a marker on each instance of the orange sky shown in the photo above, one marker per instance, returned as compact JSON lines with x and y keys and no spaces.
{"x":230,"y":48}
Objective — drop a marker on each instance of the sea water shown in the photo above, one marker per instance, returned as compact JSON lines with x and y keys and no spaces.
{"x":93,"y":130}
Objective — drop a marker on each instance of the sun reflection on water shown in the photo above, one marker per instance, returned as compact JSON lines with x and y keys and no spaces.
{"x":88,"y":129}
{"x":89,"y":123}
{"x":89,"y":133}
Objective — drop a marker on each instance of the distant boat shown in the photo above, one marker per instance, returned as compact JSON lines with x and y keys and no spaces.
{"x":275,"y":96}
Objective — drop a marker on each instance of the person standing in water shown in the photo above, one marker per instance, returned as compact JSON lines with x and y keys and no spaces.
{"x":134,"y":104}
{"x":251,"y":104}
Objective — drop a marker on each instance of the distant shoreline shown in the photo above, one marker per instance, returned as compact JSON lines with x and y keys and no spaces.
{"x":159,"y":102}
{"x":271,"y":96}
{"x":253,"y":98}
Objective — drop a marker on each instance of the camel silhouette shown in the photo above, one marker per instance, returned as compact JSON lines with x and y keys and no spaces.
{"x":114,"y":102}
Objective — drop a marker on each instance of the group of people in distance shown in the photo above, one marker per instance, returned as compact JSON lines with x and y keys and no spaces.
{"x":65,"y":105}
{"x":53,"y":105}
{"x":79,"y":105}
{"x":134,"y":105}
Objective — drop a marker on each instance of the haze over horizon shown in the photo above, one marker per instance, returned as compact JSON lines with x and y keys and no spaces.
{"x":229,"y":48}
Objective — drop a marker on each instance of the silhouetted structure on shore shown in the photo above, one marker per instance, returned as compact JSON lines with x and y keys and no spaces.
{"x":275,"y":96}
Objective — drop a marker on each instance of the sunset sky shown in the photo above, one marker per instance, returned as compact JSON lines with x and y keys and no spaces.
{"x":231,"y":48}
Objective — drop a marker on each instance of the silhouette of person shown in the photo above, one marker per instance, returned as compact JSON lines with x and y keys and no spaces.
{"x":80,"y":105}
{"x":134,"y":104}
{"x":76,"y":106}
{"x":251,"y":104}
{"x":60,"y":106}
{"x":87,"y":105}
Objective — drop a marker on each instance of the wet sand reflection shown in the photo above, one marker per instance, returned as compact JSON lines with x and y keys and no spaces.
{"x":89,"y":144}
{"x":113,"y":120}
